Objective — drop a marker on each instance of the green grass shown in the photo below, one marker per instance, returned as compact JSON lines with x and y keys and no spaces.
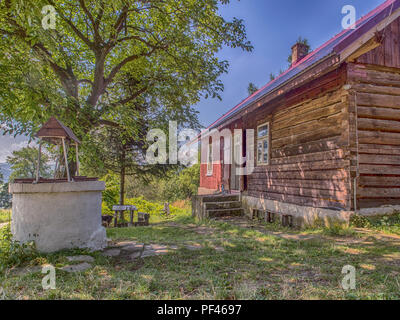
{"x":5,"y":215}
{"x":253,"y":265}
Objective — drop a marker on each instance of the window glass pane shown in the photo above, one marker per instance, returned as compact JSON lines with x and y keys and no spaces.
{"x":265,"y":147}
{"x":262,"y":131}
{"x":259,"y":151}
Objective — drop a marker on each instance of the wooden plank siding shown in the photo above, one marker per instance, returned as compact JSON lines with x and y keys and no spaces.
{"x":309,"y":164}
{"x":378,"y":124}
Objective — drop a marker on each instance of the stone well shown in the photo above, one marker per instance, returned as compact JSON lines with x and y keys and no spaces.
{"x":58,"y":215}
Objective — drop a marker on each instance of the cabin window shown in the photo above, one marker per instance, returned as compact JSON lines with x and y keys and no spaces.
{"x":263,"y":144}
{"x":209,"y":159}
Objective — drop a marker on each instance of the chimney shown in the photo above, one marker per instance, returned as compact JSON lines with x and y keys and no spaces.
{"x":299,"y":51}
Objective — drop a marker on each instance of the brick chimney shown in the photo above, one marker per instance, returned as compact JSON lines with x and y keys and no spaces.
{"x":299,"y":51}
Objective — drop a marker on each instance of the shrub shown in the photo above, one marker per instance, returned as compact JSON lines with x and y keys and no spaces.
{"x":13,"y":253}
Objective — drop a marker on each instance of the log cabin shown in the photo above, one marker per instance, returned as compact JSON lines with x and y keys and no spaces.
{"x":326,"y":132}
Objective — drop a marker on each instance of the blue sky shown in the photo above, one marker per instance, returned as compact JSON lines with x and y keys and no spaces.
{"x":272,"y":26}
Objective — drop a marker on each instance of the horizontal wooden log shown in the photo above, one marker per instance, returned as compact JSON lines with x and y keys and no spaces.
{"x":377,"y":137}
{"x":379,"y":125}
{"x":309,"y":105}
{"x":379,"y":159}
{"x":376,"y":203}
{"x":303,"y":201}
{"x":307,"y":137}
{"x":379,"y":181}
{"x":379,"y":89}
{"x":365,"y":74}
{"x":378,"y":100}
{"x":307,"y":166}
{"x":317,"y":156}
{"x":324,"y":174}
{"x":378,"y":113}
{"x":331,"y":184}
{"x":310,"y":126}
{"x":314,"y":193}
{"x":327,"y":144}
{"x":314,"y":114}
{"x":369,"y":192}
{"x":378,"y":149}
{"x":379,"y":169}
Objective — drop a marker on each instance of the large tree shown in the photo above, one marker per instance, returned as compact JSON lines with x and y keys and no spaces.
{"x":106,"y":57}
{"x":24,"y":163}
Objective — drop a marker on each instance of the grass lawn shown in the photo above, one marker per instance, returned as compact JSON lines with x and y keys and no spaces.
{"x":232,"y":262}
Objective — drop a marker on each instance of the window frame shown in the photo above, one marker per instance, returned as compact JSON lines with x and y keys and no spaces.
{"x":210,"y":152}
{"x":268,"y":138}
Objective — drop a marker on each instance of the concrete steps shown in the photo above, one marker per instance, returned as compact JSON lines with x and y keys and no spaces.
{"x":225,"y":212}
{"x":222,"y":206}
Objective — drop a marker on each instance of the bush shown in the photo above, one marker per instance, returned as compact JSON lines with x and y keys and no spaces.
{"x":389,"y":224}
{"x":13,"y":253}
{"x":5,"y":215}
{"x":359,"y":221}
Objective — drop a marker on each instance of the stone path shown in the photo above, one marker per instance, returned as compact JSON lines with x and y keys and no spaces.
{"x":131,"y":250}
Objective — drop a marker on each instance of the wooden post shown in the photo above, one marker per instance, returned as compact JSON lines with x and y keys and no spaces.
{"x":66,"y":159}
{"x":115,"y":219}
{"x":57,"y":162}
{"x":77,"y":160}
{"x":38,"y":162}
{"x":131,"y":213}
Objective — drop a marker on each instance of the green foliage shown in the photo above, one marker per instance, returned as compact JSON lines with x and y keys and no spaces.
{"x":5,"y":197}
{"x":183,"y":185}
{"x":389,"y":224}
{"x":5,"y":215}
{"x":252,"y":88}
{"x":24,"y":161}
{"x":13,"y":253}
{"x":108,"y":60}
{"x":359,"y":221}
{"x":271,"y":77}
{"x":111,"y":193}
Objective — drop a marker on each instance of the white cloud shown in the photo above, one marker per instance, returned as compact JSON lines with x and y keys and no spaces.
{"x":8,"y":144}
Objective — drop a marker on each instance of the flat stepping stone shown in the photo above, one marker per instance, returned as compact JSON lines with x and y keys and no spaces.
{"x":156,"y":247}
{"x":193,"y":247}
{"x":80,"y":258}
{"x":135,"y":255}
{"x":124,"y":243}
{"x":77,"y":267}
{"x":152,"y":253}
{"x":111,"y":252}
{"x":133,"y":247}
{"x":24,"y":271}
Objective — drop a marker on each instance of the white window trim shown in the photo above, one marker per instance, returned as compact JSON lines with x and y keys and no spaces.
{"x":263,"y":163}
{"x":210,"y":172}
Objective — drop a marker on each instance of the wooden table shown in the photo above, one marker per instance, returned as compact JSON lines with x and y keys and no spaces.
{"x":121,"y":211}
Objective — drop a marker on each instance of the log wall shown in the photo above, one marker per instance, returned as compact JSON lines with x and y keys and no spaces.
{"x":377,"y":98}
{"x":309,"y":146}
